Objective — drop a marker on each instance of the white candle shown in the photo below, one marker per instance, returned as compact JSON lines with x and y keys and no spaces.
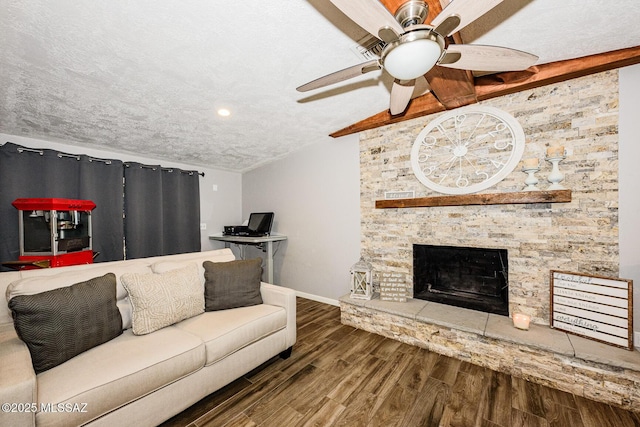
{"x":521,"y":321}
{"x":555,"y":151}
{"x":532,"y":163}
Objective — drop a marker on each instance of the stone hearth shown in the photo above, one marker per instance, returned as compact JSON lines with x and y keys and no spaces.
{"x":541,"y":354}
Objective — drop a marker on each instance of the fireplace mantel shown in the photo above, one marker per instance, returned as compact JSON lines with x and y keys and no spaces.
{"x":520,"y":197}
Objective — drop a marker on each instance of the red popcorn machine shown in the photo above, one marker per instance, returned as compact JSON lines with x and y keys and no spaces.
{"x":54,"y":232}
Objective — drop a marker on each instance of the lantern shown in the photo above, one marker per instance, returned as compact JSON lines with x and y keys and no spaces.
{"x":361,"y":280}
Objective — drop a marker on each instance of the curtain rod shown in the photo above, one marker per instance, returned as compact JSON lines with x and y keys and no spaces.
{"x":95,"y":159}
{"x":22,"y":149}
{"x":127,"y":164}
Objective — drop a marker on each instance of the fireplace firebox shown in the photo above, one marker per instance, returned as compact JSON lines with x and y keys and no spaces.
{"x":475,"y":278}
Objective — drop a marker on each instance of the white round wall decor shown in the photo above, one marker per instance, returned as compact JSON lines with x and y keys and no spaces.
{"x":467,"y":150}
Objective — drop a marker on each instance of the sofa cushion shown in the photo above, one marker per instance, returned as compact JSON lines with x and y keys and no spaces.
{"x":118,"y":372}
{"x":61,"y":323}
{"x":226,"y":331}
{"x":160,"y":300}
{"x":52,"y":278}
{"x":178,"y":261}
{"x":232,"y":284}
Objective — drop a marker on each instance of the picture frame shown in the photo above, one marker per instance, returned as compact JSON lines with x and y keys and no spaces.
{"x":595,"y":307}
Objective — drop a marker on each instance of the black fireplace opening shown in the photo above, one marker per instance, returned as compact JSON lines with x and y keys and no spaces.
{"x":475,"y":278}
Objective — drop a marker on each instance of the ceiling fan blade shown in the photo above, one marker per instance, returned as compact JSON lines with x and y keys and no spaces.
{"x":460,"y":13}
{"x":401,"y":92}
{"x":486,"y":58}
{"x":338,"y":76}
{"x":421,"y":87}
{"x":370,"y":15}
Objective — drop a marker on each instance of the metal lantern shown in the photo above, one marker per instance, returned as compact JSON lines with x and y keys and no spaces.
{"x":361,"y":280}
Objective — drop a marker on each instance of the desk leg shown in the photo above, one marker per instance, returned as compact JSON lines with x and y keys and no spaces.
{"x":269,"y":262}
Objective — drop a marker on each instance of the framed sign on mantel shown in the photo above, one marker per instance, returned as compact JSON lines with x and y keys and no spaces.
{"x":595,"y":307}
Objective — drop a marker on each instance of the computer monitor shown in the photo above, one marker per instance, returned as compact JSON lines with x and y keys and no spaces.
{"x":260,"y":223}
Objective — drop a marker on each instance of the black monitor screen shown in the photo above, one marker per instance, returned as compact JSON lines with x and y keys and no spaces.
{"x":260,"y":222}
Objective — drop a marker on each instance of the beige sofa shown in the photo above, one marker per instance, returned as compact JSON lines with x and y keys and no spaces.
{"x":138,"y":380}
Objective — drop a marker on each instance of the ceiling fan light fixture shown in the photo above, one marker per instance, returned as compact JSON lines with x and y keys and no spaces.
{"x":413,"y":54}
{"x":411,"y":60}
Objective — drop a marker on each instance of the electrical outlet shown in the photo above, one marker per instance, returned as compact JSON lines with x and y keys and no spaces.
{"x":215,"y":187}
{"x":203,"y":226}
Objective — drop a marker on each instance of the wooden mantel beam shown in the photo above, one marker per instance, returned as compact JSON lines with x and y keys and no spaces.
{"x":501,"y":84}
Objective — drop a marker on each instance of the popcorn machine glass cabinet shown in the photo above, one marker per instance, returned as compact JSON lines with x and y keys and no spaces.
{"x":51,"y":232}
{"x":54,"y":232}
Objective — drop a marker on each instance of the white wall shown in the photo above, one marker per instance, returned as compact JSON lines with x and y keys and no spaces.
{"x":217,"y":208}
{"x":315,"y":194}
{"x":629,"y":209}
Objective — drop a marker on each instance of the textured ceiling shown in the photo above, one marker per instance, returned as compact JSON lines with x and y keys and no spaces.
{"x":147,"y":77}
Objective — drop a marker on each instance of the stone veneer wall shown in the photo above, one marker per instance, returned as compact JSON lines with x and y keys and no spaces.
{"x":581,"y":236}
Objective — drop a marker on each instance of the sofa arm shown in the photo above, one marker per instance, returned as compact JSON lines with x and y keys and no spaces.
{"x":17,"y":380}
{"x":286,"y":298}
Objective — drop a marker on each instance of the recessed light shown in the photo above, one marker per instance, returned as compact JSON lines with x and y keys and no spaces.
{"x":224,"y":112}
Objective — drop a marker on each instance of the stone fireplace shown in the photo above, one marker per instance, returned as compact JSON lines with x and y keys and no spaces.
{"x":475,"y":278}
{"x":577,"y":236}
{"x":580,"y":236}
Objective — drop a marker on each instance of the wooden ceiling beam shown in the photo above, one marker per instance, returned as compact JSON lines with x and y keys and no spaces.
{"x":434,"y":7}
{"x":453,"y":88}
{"x":416,"y":108}
{"x":501,"y":84}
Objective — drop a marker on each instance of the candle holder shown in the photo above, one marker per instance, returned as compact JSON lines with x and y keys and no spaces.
{"x":555,"y":176}
{"x":531,"y":179}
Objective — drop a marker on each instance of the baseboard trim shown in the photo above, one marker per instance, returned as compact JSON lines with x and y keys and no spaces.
{"x":318,"y":298}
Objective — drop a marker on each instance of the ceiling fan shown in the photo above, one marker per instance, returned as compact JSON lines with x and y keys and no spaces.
{"x":413,"y":48}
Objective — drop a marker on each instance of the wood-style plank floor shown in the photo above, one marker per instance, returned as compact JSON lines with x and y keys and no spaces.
{"x":342,"y":376}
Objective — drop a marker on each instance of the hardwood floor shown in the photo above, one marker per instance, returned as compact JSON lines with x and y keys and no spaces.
{"x":341,"y":376}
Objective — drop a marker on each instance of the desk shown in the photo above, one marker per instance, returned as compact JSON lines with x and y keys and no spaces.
{"x":266,"y":242}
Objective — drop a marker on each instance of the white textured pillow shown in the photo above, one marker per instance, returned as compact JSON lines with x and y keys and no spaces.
{"x":160,"y":300}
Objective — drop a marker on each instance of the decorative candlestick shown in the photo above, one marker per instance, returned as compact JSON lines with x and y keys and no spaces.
{"x":531,"y":166}
{"x":555,"y":176}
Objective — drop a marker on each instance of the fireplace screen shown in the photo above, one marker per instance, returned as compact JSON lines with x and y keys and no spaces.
{"x":475,"y":278}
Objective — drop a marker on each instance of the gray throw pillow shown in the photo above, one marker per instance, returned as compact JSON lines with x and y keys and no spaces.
{"x":232,"y":284}
{"x":59,"y":324}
